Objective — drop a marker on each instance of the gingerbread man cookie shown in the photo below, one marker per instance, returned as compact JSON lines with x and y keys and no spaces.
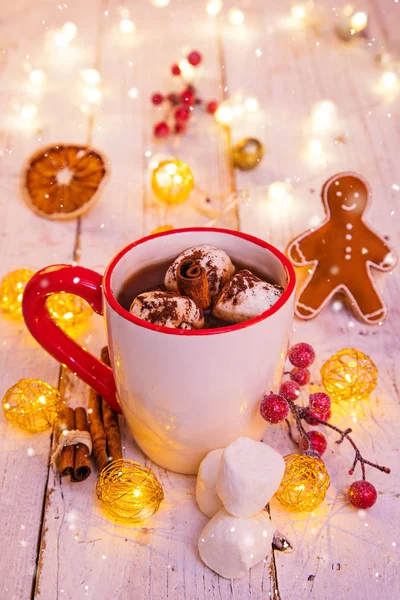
{"x":342,"y":251}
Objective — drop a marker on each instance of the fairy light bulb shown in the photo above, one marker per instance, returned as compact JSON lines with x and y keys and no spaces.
{"x":251,"y":104}
{"x":280,"y":192}
{"x":127,"y":26}
{"x":236,"y":16}
{"x":160,"y":3}
{"x":349,"y":375}
{"x":91,"y":76}
{"x":214,"y":7}
{"x":66,"y":34}
{"x":298,"y":12}
{"x":28,"y":111}
{"x":224,"y":114}
{"x":93,"y":95}
{"x":187,"y":70}
{"x":323,"y":114}
{"x":359,"y":21}
{"x":37,"y":76}
{"x":133,"y":93}
{"x":389,"y":79}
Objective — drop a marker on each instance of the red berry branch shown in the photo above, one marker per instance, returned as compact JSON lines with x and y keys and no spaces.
{"x":275,"y":408}
{"x":179,"y":107}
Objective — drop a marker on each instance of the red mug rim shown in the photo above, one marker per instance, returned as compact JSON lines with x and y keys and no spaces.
{"x":116,"y":306}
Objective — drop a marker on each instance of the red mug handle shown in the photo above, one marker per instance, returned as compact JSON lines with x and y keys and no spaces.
{"x":88,"y":285}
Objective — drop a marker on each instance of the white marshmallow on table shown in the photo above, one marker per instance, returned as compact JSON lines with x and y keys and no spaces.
{"x":231,"y":546}
{"x":245,"y":296}
{"x":167,"y":309}
{"x":249,"y":475}
{"x":218,"y":266}
{"x":206,"y":494}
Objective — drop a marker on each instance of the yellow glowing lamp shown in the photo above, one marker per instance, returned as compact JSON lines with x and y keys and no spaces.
{"x":349,"y":375}
{"x":69,"y":311}
{"x":32,"y":405}
{"x":11,"y":291}
{"x":172,"y":181}
{"x":359,"y":21}
{"x":129,"y":491}
{"x":304,"y":483}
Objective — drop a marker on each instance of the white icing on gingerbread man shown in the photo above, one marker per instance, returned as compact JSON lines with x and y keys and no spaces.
{"x":342,"y":251}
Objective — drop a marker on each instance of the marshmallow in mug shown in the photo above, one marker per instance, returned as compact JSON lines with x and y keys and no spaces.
{"x":231,"y":546}
{"x":216,"y":262}
{"x":167,"y":309}
{"x":245,"y":296}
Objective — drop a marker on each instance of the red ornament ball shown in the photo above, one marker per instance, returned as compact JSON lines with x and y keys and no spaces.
{"x":274,"y":408}
{"x":194,"y":58}
{"x":301,"y":355}
{"x":301,"y":376}
{"x":182,"y":113}
{"x":161,"y":129}
{"x":290,"y":390}
{"x":157,"y":99}
{"x":317,"y":440}
{"x":362,"y":494}
{"x":212,"y":106}
{"x":175,"y":70}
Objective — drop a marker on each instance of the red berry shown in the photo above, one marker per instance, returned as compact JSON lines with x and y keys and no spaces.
{"x":301,"y":355}
{"x":212,"y":106}
{"x":362,"y":494}
{"x":157,"y":98}
{"x":161,"y":129}
{"x":311,"y":415}
{"x":180,"y":127}
{"x":302,"y":376}
{"x":194,"y":58}
{"x":187,"y":97}
{"x":175,"y":70}
{"x":290,"y":390}
{"x":317,"y":440}
{"x":274,"y":408}
{"x":182,"y":113}
{"x":320,"y":402}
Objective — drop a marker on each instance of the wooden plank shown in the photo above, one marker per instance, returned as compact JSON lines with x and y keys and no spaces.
{"x":337,"y":549}
{"x":27,"y":241}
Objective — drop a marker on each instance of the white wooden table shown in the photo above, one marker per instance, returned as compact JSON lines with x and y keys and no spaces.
{"x":56,"y":541}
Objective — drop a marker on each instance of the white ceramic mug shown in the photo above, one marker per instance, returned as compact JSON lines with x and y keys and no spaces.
{"x":183,"y":392}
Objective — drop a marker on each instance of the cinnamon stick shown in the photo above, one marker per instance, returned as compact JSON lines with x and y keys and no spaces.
{"x":67,"y":457}
{"x":110,"y":420}
{"x":99,"y":440}
{"x":192,"y":281}
{"x":82,"y":467}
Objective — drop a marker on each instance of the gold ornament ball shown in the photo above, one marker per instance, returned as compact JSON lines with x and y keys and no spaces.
{"x":349,"y":375}
{"x":69,"y":311}
{"x":129,"y":491}
{"x":247,"y":154}
{"x":11,"y":291}
{"x":161,"y":229}
{"x":172,"y":181}
{"x":32,"y":404}
{"x":304,"y":483}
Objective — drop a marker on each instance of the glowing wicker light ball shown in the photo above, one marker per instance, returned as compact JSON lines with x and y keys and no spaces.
{"x":304,"y":483}
{"x":172,"y":181}
{"x":129,"y":491}
{"x":11,"y":291}
{"x":32,"y":404}
{"x":69,"y":311}
{"x":161,"y":229}
{"x":349,"y":375}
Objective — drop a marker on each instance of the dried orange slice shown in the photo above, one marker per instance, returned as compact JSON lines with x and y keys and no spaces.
{"x":62,"y":182}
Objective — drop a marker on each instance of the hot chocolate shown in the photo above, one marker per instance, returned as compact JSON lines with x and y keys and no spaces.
{"x":236,"y":292}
